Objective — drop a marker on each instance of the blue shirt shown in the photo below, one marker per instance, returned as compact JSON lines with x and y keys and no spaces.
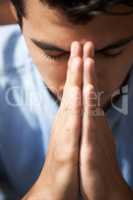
{"x":27,"y":112}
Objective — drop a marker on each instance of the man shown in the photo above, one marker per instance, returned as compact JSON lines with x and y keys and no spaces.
{"x":81,"y":157}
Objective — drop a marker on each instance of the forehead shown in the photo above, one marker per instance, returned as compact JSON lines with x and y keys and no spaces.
{"x":51,"y":25}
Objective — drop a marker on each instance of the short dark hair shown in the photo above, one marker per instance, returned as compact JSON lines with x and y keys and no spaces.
{"x":79,"y":11}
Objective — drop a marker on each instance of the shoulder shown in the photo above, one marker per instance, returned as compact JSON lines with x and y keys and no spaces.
{"x":13,"y":50}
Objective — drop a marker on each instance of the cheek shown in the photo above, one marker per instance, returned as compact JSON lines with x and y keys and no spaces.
{"x":111,"y":74}
{"x":53,"y":74}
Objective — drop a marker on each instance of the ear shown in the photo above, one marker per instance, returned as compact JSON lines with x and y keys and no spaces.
{"x":14,"y":12}
{"x":6,"y":15}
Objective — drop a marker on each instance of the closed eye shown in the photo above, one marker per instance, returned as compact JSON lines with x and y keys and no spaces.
{"x":107,"y":53}
{"x":56,"y":55}
{"x":112,"y":52}
{"x":115,"y":49}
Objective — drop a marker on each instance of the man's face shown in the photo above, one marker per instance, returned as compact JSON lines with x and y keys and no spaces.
{"x":49,"y":36}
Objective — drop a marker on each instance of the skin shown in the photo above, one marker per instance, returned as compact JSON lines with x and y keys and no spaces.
{"x":34,"y":27}
{"x":86,"y":141}
{"x":6,"y":15}
{"x":98,"y":181}
{"x":76,"y":153}
{"x":63,"y":171}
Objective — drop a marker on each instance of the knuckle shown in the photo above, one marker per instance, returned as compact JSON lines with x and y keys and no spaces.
{"x":87,"y":153}
{"x":88,"y":90}
{"x":90,"y":62}
{"x":88,"y":157}
{"x":78,"y":60}
{"x":74,"y":65}
{"x":74,"y":61}
{"x":65,"y":155}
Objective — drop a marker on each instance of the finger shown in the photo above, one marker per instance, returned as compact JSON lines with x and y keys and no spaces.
{"x":72,"y":97}
{"x":72,"y":90}
{"x":89,"y":76}
{"x":89,"y":99}
{"x":89,"y":85}
{"x":89,"y":89}
{"x":76,"y":50}
{"x":75,"y":66}
{"x":89,"y":72}
{"x":88,"y":50}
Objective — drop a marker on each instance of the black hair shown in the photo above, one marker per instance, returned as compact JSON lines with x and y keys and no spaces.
{"x":80,"y":11}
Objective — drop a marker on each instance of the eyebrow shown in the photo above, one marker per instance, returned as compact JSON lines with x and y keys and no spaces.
{"x":50,"y":47}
